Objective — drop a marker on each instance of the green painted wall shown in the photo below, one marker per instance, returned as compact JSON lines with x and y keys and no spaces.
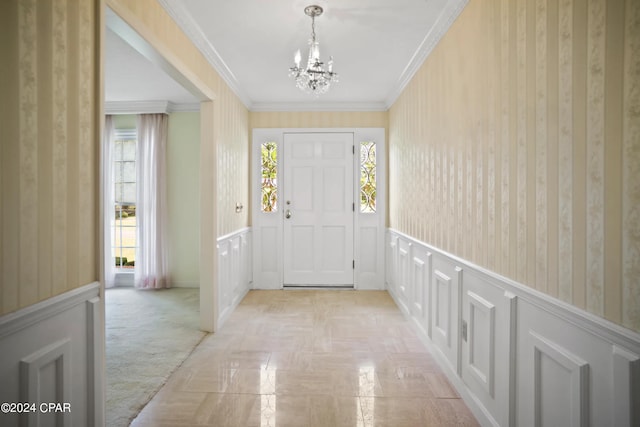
{"x":183,"y":148}
{"x":124,"y":121}
{"x":183,"y":199}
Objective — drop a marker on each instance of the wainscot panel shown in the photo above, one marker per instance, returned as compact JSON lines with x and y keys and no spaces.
{"x":516,"y":356}
{"x":234,"y":271}
{"x":52,"y":353}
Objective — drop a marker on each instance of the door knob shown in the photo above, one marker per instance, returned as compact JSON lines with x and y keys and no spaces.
{"x":287,"y":214}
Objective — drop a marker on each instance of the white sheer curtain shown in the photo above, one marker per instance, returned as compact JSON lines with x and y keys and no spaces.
{"x":151,"y":269}
{"x":108,"y":207}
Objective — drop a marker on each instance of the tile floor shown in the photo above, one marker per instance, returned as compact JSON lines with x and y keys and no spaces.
{"x":309,"y":358}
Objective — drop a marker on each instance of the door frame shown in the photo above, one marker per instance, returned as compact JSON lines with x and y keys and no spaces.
{"x":369,"y":228}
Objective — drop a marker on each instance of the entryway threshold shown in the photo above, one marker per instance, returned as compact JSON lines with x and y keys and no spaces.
{"x":320,"y":287}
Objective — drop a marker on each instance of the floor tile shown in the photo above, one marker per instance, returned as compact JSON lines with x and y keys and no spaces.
{"x":291,"y":360}
{"x":335,"y":411}
{"x":309,"y":358}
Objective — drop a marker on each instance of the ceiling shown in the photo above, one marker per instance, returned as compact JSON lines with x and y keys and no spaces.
{"x":130,"y":77}
{"x":377,"y":46}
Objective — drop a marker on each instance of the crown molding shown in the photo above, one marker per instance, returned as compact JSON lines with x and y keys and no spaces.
{"x":450,"y":13}
{"x":183,"y":107}
{"x":148,"y":107}
{"x":192,"y":30}
{"x":151,"y":107}
{"x":317,"y":106}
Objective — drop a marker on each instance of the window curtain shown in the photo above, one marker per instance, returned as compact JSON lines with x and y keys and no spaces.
{"x":151,"y":269}
{"x":108,"y":209}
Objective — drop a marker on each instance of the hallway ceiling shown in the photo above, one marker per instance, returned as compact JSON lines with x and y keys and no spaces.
{"x":377,"y":45}
{"x":129,"y":76}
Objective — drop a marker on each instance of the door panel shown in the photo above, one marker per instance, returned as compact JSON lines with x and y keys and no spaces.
{"x":333,"y":191}
{"x":301,"y":181}
{"x":318,"y":193}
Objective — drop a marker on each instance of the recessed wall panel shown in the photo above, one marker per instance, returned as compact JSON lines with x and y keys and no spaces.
{"x":224,"y":266}
{"x":481,"y":336}
{"x":403,"y":265}
{"x":368,"y":249}
{"x":269,"y":250}
{"x":553,"y":393}
{"x":392,"y":262}
{"x":443,"y":306}
{"x":418,"y":275}
{"x":561,"y":385}
{"x":45,"y":376}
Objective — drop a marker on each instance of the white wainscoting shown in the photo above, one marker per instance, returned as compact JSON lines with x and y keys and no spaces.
{"x":517,"y":357}
{"x":234,"y":271}
{"x":53,"y":351}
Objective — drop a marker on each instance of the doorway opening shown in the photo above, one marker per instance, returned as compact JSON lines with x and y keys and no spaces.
{"x":148,"y":333}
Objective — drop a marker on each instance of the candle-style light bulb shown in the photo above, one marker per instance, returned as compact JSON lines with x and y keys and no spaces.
{"x":330,"y":64}
{"x":297,"y":58}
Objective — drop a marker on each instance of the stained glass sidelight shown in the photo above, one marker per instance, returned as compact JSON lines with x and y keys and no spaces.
{"x":368,"y":177}
{"x":269,"y":159}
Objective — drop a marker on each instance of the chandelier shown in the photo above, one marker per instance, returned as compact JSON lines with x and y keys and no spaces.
{"x":313,"y":78}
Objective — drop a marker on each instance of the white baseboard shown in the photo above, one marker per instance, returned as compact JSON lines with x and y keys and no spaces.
{"x":527,"y":358}
{"x":189,"y":285}
{"x":234,"y":271}
{"x":53,"y":351}
{"x":124,"y":280}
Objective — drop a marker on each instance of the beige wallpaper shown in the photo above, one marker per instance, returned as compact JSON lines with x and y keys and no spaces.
{"x":517,"y":146}
{"x":233,"y":162}
{"x":48,"y":153}
{"x":319,"y":119}
{"x":230,"y":117}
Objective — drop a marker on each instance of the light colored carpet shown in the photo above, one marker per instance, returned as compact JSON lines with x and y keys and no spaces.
{"x":148,"y":335}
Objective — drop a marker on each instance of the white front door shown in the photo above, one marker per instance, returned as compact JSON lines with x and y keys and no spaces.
{"x":318,"y":209}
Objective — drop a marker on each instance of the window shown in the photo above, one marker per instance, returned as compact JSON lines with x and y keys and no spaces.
{"x":269,"y":167}
{"x":368,"y":177}
{"x":124,"y":176}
